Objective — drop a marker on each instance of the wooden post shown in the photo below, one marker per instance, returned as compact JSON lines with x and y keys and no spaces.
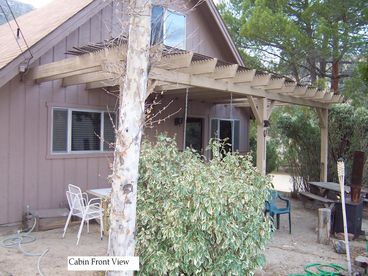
{"x":324,"y":225}
{"x":261,"y":135}
{"x":323,"y":121}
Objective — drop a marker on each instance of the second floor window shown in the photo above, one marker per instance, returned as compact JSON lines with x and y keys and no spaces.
{"x":168,"y":27}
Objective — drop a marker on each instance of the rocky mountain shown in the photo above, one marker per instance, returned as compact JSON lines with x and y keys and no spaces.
{"x":17,"y":7}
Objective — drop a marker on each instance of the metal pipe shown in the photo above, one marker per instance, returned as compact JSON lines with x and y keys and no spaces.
{"x":341,"y":173}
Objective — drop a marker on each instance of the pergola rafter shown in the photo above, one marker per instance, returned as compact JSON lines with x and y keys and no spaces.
{"x":176,"y":69}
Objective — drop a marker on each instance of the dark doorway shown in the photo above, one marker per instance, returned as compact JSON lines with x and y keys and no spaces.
{"x":226,"y":133}
{"x":193,"y":135}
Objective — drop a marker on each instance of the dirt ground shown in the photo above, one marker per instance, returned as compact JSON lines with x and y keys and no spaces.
{"x":288,"y":254}
{"x":285,"y":254}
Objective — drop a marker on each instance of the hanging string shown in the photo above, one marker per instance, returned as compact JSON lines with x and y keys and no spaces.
{"x":185,"y":117}
{"x":231,"y":105}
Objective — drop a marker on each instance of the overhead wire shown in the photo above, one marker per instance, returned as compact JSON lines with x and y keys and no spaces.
{"x":185,"y":117}
{"x":16,"y":35}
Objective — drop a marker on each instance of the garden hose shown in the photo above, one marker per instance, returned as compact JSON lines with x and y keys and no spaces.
{"x":322,"y":270}
{"x":19,"y":239}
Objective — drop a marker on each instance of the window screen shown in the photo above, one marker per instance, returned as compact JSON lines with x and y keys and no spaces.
{"x":60,"y":130}
{"x":109,"y":132}
{"x":86,"y":131}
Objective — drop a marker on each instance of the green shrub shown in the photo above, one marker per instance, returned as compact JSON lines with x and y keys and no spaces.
{"x":300,"y":132}
{"x":348,"y":132}
{"x":196,"y":217}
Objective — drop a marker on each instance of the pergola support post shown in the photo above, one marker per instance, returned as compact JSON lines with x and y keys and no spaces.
{"x":323,"y":121}
{"x":261,"y":135}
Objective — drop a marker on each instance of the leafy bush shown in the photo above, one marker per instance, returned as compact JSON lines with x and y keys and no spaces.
{"x":196,"y":217}
{"x":300,"y":132}
{"x":348,"y":132}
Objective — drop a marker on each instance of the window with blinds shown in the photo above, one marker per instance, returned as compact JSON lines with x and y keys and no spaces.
{"x":76,"y":131}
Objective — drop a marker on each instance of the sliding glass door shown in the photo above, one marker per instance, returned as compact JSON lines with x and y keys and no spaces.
{"x":226,"y":129}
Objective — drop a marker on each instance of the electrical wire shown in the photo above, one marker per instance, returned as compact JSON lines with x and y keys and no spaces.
{"x":185,"y":117}
{"x":16,"y":22}
{"x":26,"y":59}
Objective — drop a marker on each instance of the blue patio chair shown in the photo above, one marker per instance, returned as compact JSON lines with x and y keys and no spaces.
{"x":273,"y":209}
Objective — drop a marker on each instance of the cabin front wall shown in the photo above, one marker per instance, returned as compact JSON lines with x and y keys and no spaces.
{"x":171,"y":108}
{"x":29,"y":173}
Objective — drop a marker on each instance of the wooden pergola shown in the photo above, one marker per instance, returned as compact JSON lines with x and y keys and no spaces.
{"x":99,"y":66}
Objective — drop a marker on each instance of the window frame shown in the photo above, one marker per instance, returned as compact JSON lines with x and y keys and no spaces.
{"x":69,"y":150}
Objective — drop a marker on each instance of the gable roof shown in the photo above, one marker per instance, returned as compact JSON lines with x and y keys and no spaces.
{"x":43,"y":28}
{"x":224,"y":31}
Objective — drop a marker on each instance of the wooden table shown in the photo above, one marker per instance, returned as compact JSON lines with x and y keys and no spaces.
{"x":103,"y":194}
{"x":331,"y":186}
{"x":100,"y":193}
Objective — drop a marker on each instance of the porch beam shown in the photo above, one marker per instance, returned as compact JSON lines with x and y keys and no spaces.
{"x":103,"y":59}
{"x":225,"y":72}
{"x":170,"y":86}
{"x":261,"y":136}
{"x":175,"y":61}
{"x":289,"y":87}
{"x":101,"y":84}
{"x":275,"y":84}
{"x":201,"y":67}
{"x":222,"y":85}
{"x":86,"y":78}
{"x":300,"y":91}
{"x":261,"y":80}
{"x":71,"y":73}
{"x":323,"y":120}
{"x":254,"y":107}
{"x":310,"y":93}
{"x":245,"y":76}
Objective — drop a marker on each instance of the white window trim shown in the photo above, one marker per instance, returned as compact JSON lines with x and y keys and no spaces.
{"x":69,"y":131}
{"x":218,"y":128}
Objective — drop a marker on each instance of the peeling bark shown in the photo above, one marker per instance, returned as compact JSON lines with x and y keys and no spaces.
{"x":133,"y":92}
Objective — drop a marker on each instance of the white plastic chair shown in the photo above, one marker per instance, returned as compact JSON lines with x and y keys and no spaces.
{"x":81,"y":207}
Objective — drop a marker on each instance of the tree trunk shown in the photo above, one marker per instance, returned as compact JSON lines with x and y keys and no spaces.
{"x":335,"y":60}
{"x":133,"y":92}
{"x":335,"y":76}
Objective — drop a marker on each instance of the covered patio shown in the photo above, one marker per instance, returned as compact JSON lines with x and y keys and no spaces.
{"x":176,"y":72}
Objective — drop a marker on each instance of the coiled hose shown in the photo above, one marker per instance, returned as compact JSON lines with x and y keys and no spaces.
{"x":321,"y":270}
{"x":19,"y":239}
